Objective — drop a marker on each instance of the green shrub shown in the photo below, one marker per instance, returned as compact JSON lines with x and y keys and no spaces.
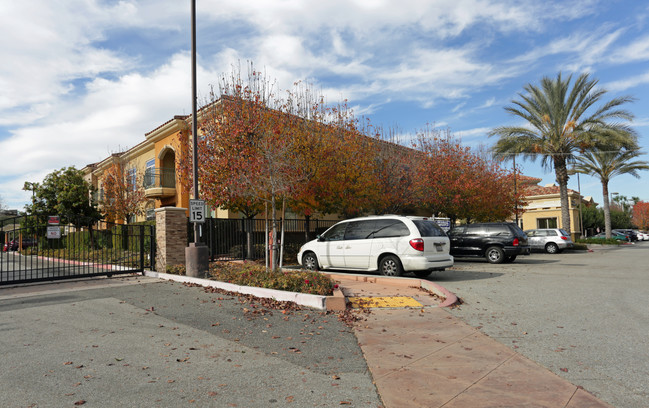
{"x":252,"y":274}
{"x":599,"y":241}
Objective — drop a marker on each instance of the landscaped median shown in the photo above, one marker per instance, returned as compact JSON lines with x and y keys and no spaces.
{"x":334,"y":302}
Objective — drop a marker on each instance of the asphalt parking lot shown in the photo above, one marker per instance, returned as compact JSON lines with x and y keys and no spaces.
{"x":583,"y":315}
{"x":143,"y":342}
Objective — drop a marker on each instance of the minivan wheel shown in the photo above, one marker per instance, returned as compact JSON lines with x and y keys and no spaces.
{"x":551,"y":248}
{"x":390,"y":266}
{"x":495,"y":255}
{"x":310,"y":261}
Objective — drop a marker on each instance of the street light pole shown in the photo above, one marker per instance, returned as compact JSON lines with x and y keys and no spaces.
{"x":515,"y":193}
{"x":194,"y":119}
{"x":196,"y":254}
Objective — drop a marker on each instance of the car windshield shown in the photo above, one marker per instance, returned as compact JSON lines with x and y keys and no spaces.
{"x":429,"y":228}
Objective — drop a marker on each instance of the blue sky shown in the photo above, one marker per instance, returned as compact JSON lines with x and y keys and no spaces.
{"x":81,"y":79}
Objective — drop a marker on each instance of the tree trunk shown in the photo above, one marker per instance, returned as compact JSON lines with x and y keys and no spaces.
{"x":249,"y":225}
{"x":561,"y":172}
{"x":607,"y":209}
{"x":307,"y":227}
{"x":273,"y":244}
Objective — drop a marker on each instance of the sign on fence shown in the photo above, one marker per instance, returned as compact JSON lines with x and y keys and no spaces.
{"x":53,"y":232}
{"x":197,"y":211}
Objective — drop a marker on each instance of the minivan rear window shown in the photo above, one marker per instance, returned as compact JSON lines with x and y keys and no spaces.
{"x":390,"y":228}
{"x":429,"y":228}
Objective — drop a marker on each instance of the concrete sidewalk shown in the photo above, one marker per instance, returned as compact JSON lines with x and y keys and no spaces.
{"x":426,"y":357}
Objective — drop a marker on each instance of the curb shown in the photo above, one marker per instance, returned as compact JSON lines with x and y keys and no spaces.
{"x":303,"y":299}
{"x":449,"y":298}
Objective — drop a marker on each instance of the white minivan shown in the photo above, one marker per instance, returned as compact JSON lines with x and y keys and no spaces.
{"x":391,"y":244}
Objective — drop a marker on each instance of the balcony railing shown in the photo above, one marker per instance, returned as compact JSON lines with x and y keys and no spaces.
{"x":159,"y":182}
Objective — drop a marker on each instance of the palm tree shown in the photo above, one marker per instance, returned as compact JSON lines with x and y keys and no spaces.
{"x":562,"y":121}
{"x":606,"y":165}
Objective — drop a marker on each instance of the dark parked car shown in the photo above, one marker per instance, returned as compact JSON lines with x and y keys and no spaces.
{"x":614,"y":235}
{"x":498,"y":242}
{"x":632,"y":235}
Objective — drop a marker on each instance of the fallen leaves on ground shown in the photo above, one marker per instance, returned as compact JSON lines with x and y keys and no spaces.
{"x":264,"y":306}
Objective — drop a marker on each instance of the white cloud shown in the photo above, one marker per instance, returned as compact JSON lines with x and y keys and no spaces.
{"x":471,"y":134}
{"x":47,"y":45}
{"x":627,"y":83}
{"x":74,"y":87}
{"x":637,"y":50}
{"x":584,"y":47}
{"x":112,"y":115}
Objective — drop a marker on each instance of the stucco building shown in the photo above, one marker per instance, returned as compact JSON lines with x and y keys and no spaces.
{"x":543,"y":208}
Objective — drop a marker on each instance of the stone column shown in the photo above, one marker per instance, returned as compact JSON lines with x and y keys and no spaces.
{"x":171,"y":236}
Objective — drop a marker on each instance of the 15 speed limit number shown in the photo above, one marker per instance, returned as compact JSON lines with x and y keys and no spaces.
{"x":196,"y":211}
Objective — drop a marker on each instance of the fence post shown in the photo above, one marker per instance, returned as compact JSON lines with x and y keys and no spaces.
{"x":142,"y":248}
{"x":124,"y":229}
{"x":244,"y":240}
{"x":152,"y":248}
{"x":171,"y":236}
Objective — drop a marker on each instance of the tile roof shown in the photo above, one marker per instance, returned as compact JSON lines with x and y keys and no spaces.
{"x":536,"y":190}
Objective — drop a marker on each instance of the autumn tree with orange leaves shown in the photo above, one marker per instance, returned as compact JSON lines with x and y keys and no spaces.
{"x":123,"y":192}
{"x":394,"y":173}
{"x":259,"y":150}
{"x":460,"y":184}
{"x":249,"y":154}
{"x":640,"y":216}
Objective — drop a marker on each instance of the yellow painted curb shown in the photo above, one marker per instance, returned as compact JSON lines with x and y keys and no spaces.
{"x":388,"y":301}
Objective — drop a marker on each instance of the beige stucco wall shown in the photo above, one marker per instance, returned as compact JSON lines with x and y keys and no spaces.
{"x":550,"y":207}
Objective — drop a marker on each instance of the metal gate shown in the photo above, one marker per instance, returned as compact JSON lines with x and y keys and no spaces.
{"x":37,"y":249}
{"x":232,"y":239}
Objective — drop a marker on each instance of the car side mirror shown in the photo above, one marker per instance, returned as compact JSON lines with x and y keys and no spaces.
{"x":320,"y":238}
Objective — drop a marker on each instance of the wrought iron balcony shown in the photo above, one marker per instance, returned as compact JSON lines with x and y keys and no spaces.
{"x":159,"y":182}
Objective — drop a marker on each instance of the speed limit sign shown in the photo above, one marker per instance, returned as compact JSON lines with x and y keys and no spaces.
{"x":197,"y":211}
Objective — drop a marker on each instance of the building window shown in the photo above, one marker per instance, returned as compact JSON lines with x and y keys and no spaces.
{"x":149,"y":173}
{"x":132,"y":179}
{"x":546,"y":222}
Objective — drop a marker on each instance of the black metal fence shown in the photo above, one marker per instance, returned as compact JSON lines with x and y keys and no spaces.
{"x":233,"y":239}
{"x":35,"y":249}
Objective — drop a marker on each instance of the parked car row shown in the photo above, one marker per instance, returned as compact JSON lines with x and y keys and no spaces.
{"x":393,"y":244}
{"x":625,"y":235}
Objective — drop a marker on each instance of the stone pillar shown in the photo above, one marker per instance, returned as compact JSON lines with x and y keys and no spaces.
{"x":171,"y":236}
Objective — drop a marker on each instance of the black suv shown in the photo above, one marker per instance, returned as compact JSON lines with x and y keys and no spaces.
{"x":498,"y":242}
